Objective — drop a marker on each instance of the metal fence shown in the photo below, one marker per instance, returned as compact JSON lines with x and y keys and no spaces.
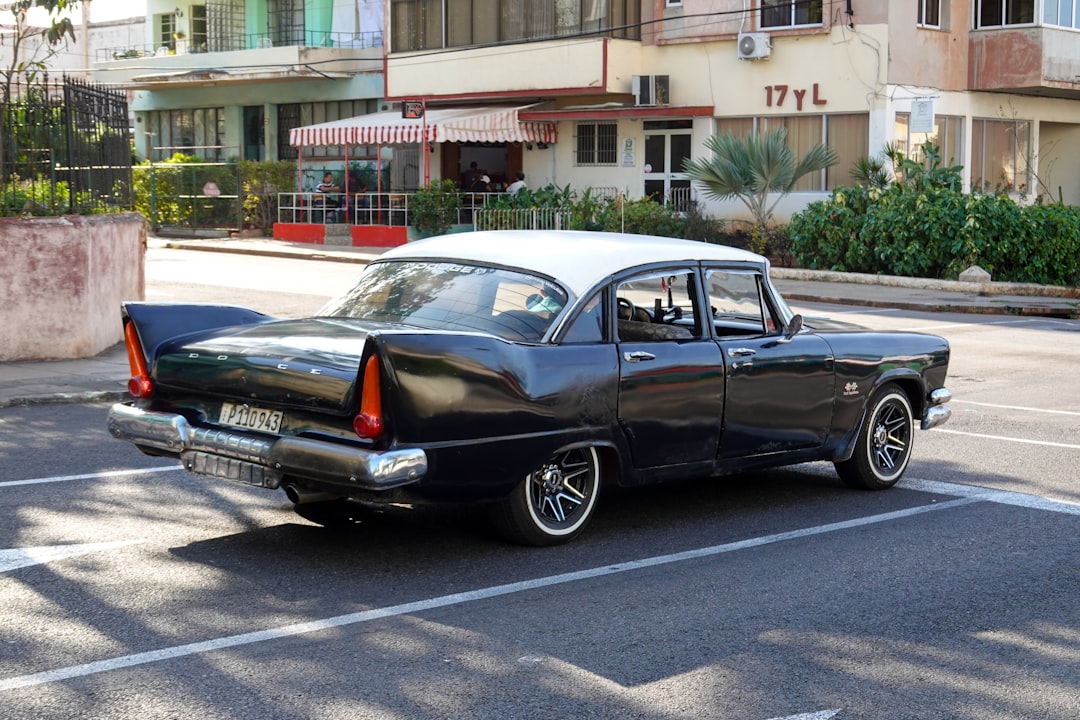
{"x":190,"y":195}
{"x":64,"y":147}
{"x":522,"y":219}
{"x":388,"y":208}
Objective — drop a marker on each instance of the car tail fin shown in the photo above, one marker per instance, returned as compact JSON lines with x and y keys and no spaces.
{"x":139,"y":385}
{"x":368,"y":423}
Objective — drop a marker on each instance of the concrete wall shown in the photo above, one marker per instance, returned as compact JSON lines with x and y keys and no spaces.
{"x":62,"y":280}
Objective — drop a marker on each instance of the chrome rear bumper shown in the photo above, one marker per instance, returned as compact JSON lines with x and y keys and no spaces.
{"x":262,"y":460}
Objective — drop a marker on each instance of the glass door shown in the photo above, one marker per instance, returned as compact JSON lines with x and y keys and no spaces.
{"x":667,"y":146}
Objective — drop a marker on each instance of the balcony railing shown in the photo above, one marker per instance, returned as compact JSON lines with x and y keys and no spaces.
{"x":249,"y":41}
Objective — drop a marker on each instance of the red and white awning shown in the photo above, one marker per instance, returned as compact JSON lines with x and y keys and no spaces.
{"x":476,"y":124}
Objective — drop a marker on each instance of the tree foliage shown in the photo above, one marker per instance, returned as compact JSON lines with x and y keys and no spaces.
{"x":757,"y":169}
{"x":27,"y":56}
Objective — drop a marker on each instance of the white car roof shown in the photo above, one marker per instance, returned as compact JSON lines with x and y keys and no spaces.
{"x":577,"y":259}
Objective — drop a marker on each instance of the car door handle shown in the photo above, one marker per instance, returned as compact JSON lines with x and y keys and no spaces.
{"x":741,"y":352}
{"x":638,"y":356}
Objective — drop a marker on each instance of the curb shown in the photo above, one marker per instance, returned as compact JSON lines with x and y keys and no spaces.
{"x":1005,"y":309}
{"x":65,"y":398}
{"x":359,"y":256}
{"x":972,"y":288}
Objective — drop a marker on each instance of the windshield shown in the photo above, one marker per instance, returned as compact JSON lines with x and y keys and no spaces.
{"x":452,"y":296}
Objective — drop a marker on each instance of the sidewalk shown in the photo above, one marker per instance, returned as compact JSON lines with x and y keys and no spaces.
{"x":104,"y":377}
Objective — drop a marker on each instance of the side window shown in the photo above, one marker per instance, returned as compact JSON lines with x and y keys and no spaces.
{"x":738,"y":305}
{"x":658,"y":307}
{"x":588,"y":326}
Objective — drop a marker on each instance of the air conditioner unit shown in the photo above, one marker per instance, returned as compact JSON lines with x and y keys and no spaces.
{"x":652,"y":89}
{"x":754,"y":46}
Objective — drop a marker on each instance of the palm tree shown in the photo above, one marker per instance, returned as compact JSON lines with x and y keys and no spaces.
{"x":755,"y":167}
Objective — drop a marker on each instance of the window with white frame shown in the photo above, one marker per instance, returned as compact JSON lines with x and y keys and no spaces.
{"x":947,"y":135}
{"x":847,"y":134}
{"x":787,"y":13}
{"x":1062,"y":13}
{"x":597,"y":143}
{"x":194,"y":131}
{"x":1000,"y":152}
{"x":929,"y":13}
{"x":167,"y":30}
{"x":996,"y":13}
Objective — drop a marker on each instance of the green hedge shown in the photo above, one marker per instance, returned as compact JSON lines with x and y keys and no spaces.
{"x":938,"y":233}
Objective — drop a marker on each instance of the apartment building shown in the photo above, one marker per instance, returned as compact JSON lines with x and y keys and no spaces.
{"x":614,"y":94}
{"x":633,"y":88}
{"x":228,"y":79}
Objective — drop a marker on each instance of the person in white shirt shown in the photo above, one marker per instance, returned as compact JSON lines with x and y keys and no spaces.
{"x":517,"y":184}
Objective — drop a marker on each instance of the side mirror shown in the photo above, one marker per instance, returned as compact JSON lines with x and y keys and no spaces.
{"x":794,"y":327}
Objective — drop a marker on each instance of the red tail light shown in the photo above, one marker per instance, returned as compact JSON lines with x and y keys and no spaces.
{"x":368,"y":423}
{"x":139,"y":385}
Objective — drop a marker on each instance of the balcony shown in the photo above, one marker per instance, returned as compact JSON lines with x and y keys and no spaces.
{"x":238,"y":59}
{"x":564,"y":67}
{"x":1041,"y":61}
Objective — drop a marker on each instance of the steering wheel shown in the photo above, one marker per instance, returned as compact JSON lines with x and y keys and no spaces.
{"x":625,"y":304}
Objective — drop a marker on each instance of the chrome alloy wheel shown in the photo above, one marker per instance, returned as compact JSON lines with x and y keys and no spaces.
{"x":883,"y":448}
{"x":553,"y":503}
{"x":559,"y":488}
{"x":890,"y":438}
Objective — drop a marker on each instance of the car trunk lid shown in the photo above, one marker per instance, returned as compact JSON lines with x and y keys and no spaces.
{"x":311,"y":364}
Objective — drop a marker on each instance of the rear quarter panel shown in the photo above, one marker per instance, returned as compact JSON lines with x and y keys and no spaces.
{"x":489,"y":411}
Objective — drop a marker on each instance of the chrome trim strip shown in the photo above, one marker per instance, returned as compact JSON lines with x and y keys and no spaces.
{"x":303,"y":457}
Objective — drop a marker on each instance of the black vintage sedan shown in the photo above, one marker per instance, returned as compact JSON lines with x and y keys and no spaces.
{"x":526,"y":370}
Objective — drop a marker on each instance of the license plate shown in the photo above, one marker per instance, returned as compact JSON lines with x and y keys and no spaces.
{"x":250,"y":418}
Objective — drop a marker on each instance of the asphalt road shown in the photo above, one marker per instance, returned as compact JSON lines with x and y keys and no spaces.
{"x":133,"y":590}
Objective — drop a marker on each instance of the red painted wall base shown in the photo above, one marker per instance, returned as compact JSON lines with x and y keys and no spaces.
{"x":379,"y":235}
{"x":359,"y":235}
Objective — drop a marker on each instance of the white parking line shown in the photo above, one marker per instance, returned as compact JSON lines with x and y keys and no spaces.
{"x":1002,"y":497}
{"x":823,"y":715}
{"x":1002,"y":438}
{"x":25,"y":557}
{"x":178,"y":651}
{"x":1016,"y":407}
{"x":88,"y":476}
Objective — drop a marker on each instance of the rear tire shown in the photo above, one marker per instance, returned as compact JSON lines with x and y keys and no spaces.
{"x":553,"y":503}
{"x":883,"y":448}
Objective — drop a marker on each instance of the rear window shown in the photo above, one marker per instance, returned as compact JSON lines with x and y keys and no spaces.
{"x":453,"y":296}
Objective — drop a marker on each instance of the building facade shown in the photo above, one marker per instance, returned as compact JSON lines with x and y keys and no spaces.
{"x":633,"y":88}
{"x":637,"y":89}
{"x":228,"y":79}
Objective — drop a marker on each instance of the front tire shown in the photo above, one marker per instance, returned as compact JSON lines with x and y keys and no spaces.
{"x":883,"y":448}
{"x":553,"y":503}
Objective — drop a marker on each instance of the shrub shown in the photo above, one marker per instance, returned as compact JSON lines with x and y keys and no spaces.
{"x":642,"y":217}
{"x":937,"y":231}
{"x":433,"y":209}
{"x":260,"y":184}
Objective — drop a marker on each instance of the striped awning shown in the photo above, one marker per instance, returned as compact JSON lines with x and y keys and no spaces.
{"x":476,"y":124}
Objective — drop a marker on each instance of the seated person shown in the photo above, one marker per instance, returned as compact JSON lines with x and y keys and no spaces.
{"x":482,"y":184}
{"x":326,"y":186}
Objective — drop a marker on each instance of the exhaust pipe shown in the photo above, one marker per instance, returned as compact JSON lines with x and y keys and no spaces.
{"x":302,"y":496}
